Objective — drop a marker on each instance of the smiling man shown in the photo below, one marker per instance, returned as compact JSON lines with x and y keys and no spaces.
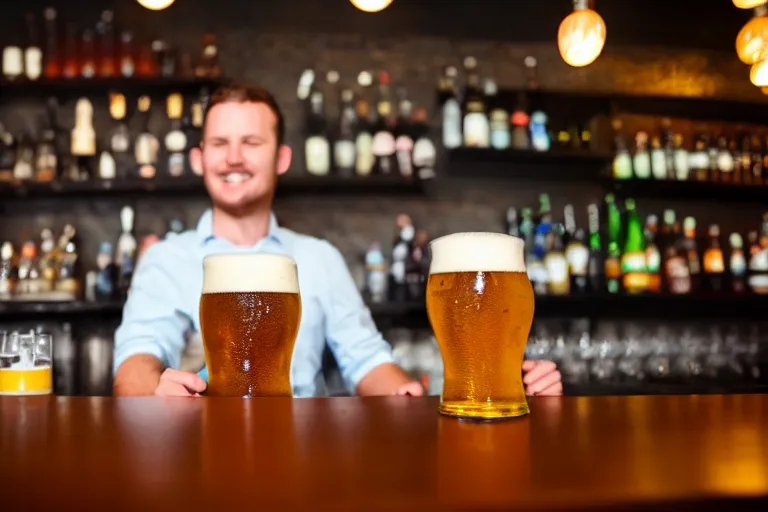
{"x":242,"y":155}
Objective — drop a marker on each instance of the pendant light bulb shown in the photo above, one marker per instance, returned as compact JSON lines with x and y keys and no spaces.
{"x":581,"y":36}
{"x":758,"y":73}
{"x":156,"y":5}
{"x":748,"y":4}
{"x":753,"y":37}
{"x":371,"y":5}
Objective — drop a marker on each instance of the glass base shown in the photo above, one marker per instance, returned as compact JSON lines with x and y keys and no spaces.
{"x":484,"y":411}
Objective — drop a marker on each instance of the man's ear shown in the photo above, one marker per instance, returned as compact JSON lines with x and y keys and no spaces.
{"x":284,"y":156}
{"x":196,"y":157}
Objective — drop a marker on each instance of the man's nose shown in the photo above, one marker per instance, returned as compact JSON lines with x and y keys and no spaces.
{"x":235,"y":155}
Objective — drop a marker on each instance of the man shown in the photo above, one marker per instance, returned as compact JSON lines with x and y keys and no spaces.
{"x":242,"y":154}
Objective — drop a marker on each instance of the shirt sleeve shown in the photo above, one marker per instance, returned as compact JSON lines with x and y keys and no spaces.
{"x":152,"y":323}
{"x":349,"y":327}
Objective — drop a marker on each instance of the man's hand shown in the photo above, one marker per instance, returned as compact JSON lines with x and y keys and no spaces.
{"x":178,"y":383}
{"x":542,"y":378}
{"x":412,"y":388}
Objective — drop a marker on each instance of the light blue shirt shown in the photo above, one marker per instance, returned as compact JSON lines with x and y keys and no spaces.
{"x":163,"y":305}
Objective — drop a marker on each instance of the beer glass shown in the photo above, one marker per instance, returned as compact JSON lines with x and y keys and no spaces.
{"x":480,"y":304}
{"x":250,"y":310}
{"x":25,"y":364}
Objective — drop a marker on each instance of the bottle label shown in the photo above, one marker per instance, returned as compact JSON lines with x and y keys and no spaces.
{"x":738,"y":264}
{"x":175,"y":141}
{"x":424,"y":153}
{"x":577,"y":255}
{"x":633,"y":262}
{"x":653,"y":258}
{"x":642,"y":165}
{"x":13,"y":61}
{"x":176,"y":164}
{"x":612,"y":267}
{"x":33,"y":63}
{"x":682,"y":167}
{"x":725,"y":161}
{"x":317,"y":155}
{"x":107,"y":167}
{"x":714,"y":262}
{"x":557,"y":270}
{"x":119,"y":142}
{"x":659,"y":164}
{"x":622,"y":166}
{"x":500,"y":138}
{"x":452,"y":137}
{"x":383,"y":144}
{"x":476,"y":130}
{"x":364,"y":161}
{"x":759,"y":283}
{"x":404,"y":146}
{"x":344,"y":154}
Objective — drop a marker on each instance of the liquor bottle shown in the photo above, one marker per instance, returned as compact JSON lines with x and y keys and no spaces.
{"x":87,"y":55}
{"x":70,"y":66}
{"x":46,"y":162}
{"x":107,"y":63}
{"x":53,"y":64}
{"x":364,"y":130}
{"x":316,"y":146}
{"x":658,"y":159}
{"x":641,"y":161}
{"x":668,"y":141}
{"x":634,"y":266}
{"x":194,"y":135}
{"x":745,"y":154}
{"x":692,"y":252}
{"x":127,"y":55}
{"x":331,"y":112}
{"x":8,"y":273}
{"x":596,"y":260}
{"x":682,"y":169}
{"x":344,"y":145}
{"x":725,"y":162}
{"x":209,"y":62}
{"x":120,"y":138}
{"x":698,"y":160}
{"x":83,"y":139}
{"x":424,"y":151}
{"x":713,"y":152}
{"x":24,"y":168}
{"x":451,"y":109}
{"x":714,"y":262}
{"x":758,"y":261}
{"x":652,"y":254}
{"x":27,"y":276}
{"x":622,"y":161}
{"x":737,"y":264}
{"x":383,"y":146}
{"x":677,"y":276}
{"x":738,"y":176}
{"x":13,"y":61}
{"x":613,"y":255}
{"x":559,"y":282}
{"x":146,"y":65}
{"x":146,"y":146}
{"x":33,"y":54}
{"x":415,"y":276}
{"x":125,"y":254}
{"x":513,"y":227}
{"x":375,"y":274}
{"x":519,"y":119}
{"x":756,"y":154}
{"x":175,"y":140}
{"x":69,"y":270}
{"x":7,"y":154}
{"x":499,"y":118}
{"x":401,"y":250}
{"x":476,"y":128}
{"x":540,"y":140}
{"x":106,"y":277}
{"x":577,"y":255}
{"x":48,"y":260}
{"x":404,"y":136}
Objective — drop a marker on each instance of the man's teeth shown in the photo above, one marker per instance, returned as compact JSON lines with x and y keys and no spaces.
{"x":236,"y":177}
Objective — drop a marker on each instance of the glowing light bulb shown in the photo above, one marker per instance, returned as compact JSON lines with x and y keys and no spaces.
{"x":748,"y":4}
{"x":753,"y":37}
{"x":581,"y":36}
{"x":758,"y":74}
{"x":371,"y":5}
{"x":155,"y":5}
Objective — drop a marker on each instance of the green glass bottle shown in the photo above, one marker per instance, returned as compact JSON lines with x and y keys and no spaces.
{"x":634,"y":266}
{"x":613,"y":256}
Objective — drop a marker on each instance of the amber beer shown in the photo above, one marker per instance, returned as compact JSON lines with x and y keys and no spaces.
{"x":480,"y":304}
{"x":250,"y":310}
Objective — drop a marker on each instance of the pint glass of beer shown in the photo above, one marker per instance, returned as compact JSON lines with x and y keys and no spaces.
{"x":250,"y":310}
{"x":480,"y":304}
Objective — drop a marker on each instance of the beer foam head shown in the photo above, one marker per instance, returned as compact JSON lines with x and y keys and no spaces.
{"x":477,"y":252}
{"x":255,"y":272}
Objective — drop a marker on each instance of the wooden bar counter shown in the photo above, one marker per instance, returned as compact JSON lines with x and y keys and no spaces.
{"x":386,"y":453}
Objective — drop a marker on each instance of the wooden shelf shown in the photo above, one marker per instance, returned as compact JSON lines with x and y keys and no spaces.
{"x":72,"y":88}
{"x":193,"y":186}
{"x":557,"y":164}
{"x":690,"y":190}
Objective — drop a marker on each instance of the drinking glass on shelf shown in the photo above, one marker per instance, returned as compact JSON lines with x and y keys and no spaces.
{"x":25,"y":364}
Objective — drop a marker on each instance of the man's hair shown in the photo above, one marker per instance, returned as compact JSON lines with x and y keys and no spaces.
{"x":241,"y":93}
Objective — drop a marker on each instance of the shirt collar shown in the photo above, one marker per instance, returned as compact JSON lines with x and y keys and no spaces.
{"x":205,"y":228}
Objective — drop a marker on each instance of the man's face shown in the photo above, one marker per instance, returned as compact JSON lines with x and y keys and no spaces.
{"x":239,"y":156}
